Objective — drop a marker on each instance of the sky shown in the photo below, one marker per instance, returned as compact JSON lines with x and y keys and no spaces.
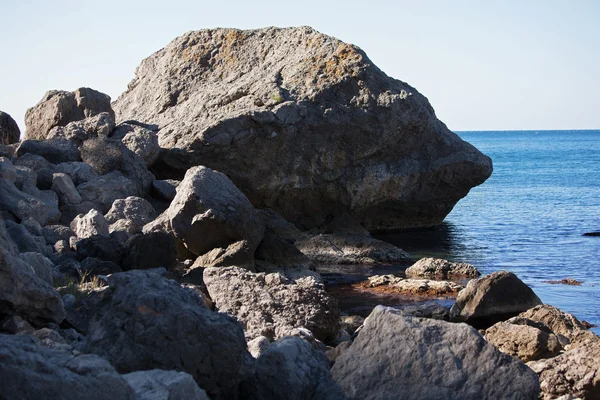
{"x":483,"y":65}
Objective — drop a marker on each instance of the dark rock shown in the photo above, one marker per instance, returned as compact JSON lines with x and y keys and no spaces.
{"x":164,"y":190}
{"x":99,"y":246}
{"x":56,"y":150}
{"x":43,"y":266}
{"x":591,"y":234}
{"x":22,"y":205}
{"x":63,"y":186}
{"x":54,"y":233}
{"x":42,"y":167}
{"x":94,"y":266}
{"x":25,"y":241}
{"x":9,"y":130}
{"x":150,"y":250}
{"x":70,"y":211}
{"x":79,"y":172}
{"x":7,"y":170}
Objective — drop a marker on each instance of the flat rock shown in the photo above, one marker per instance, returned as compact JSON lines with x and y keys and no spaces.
{"x":412,"y":287}
{"x":271,"y":304}
{"x":436,"y":268}
{"x":396,"y":356}
{"x":329,"y":132}
{"x":9,"y":130}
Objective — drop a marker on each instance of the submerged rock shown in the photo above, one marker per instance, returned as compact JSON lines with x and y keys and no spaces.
{"x":437,"y":268}
{"x":329,"y":132}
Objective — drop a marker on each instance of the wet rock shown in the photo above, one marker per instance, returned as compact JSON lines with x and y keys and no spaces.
{"x":172,"y":331}
{"x":158,"y":384}
{"x":436,"y":268}
{"x":65,"y":189}
{"x":493,"y":298}
{"x":56,"y":150}
{"x":90,"y":224}
{"x":291,"y":369}
{"x":30,"y":372}
{"x":269,"y":304}
{"x":9,"y":130}
{"x":105,"y":189}
{"x":394,"y":354}
{"x":591,"y":234}
{"x":330,"y":132}
{"x":416,"y":287}
{"x":350,"y":249}
{"x":150,"y":250}
{"x":7,"y":170}
{"x":209,"y":212}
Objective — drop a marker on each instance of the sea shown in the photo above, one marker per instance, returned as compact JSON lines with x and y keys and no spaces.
{"x":529,"y":217}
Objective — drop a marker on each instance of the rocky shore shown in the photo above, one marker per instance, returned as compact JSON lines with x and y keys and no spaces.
{"x":164,"y":246}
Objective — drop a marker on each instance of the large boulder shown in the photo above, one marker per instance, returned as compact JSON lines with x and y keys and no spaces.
{"x":105,"y":189}
{"x":134,"y":209}
{"x":151,"y":322}
{"x":493,"y":298}
{"x":59,"y":107}
{"x":150,"y":250}
{"x":55,"y":150}
{"x":209,"y":212}
{"x":328,"y":131}
{"x":272,"y":304}
{"x":9,"y":130}
{"x":396,"y":356}
{"x":563,"y":324}
{"x":31,"y":371}
{"x":437,"y":268}
{"x":291,"y":369}
{"x":140,"y":140}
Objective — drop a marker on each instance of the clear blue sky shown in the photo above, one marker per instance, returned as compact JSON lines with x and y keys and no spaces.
{"x":482,"y":64}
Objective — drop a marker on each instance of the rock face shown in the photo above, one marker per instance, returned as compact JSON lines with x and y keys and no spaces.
{"x":330,"y":132}
{"x":437,"y":268}
{"x":396,"y":356}
{"x":30,"y":372}
{"x":493,"y":298}
{"x":153,"y":323}
{"x":270,"y":304}
{"x":9,"y":130}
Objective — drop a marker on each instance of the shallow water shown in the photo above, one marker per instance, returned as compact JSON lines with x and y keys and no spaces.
{"x":528,"y":218}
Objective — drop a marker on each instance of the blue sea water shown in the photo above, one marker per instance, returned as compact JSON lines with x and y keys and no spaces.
{"x":529,"y":216}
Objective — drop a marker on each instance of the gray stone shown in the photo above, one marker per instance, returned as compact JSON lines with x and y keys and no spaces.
{"x":172,"y":330}
{"x":55,"y":150}
{"x":412,"y":287}
{"x":279,"y":253}
{"x":25,"y":177}
{"x":164,"y":190}
{"x":238,"y":254}
{"x":436,"y":268}
{"x":79,"y":131}
{"x":7,"y":170}
{"x":64,"y":187}
{"x":271,"y":304}
{"x":209,"y":212}
{"x":140,"y":140}
{"x":25,"y":241}
{"x":135,"y":209}
{"x":291,"y":369}
{"x":79,"y":172}
{"x":90,"y":224}
{"x":396,"y":356}
{"x":94,"y":266}
{"x":22,"y":205}
{"x":105,"y":189}
{"x":524,"y":341}
{"x":493,"y":298}
{"x":42,"y":167}
{"x":31,"y":372}
{"x":258,"y":346}
{"x":158,"y":384}
{"x":329,"y":133}
{"x":15,"y":325}
{"x":54,"y":233}
{"x":43,"y":267}
{"x":8,"y":150}
{"x":150,"y":250}
{"x":9,"y":130}
{"x":70,"y":211}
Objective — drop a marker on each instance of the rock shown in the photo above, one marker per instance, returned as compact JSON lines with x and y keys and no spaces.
{"x":280,"y":253}
{"x":563,"y":324}
{"x":427,"y":310}
{"x":281,"y":227}
{"x":30,"y":372}
{"x":90,"y":224}
{"x":330,"y":132}
{"x":42,"y":266}
{"x":92,"y":266}
{"x":140,"y":140}
{"x":172,"y":330}
{"x":158,"y":384}
{"x":291,"y":369}
{"x":238,"y":254}
{"x":591,"y":234}
{"x":42,"y":168}
{"x":269,"y":304}
{"x":258,"y":346}
{"x":58,"y":108}
{"x":26,"y":177}
{"x":70,"y":211}
{"x":100,"y":125}
{"x":413,"y":287}
{"x":137,"y":210}
{"x":523,"y":341}
{"x":99,"y":246}
{"x":22,"y":205}
{"x":151,"y":250}
{"x":7,"y":150}
{"x":350,"y":249}
{"x":333,"y":354}
{"x":22,"y":292}
{"x":15,"y":325}
{"x":351,"y":323}
{"x":79,"y":172}
{"x":56,"y":150}
{"x":105,"y":189}
{"x":65,"y":189}
{"x":25,"y":241}
{"x":436,"y":268}
{"x":7,"y":170}
{"x":9,"y":130}
{"x":395,"y":354}
{"x":576,"y":372}
{"x":492,"y":298}
{"x":54,"y":233}
{"x":209,"y":212}
{"x":164,"y":190}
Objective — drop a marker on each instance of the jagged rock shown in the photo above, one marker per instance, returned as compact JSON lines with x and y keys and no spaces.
{"x":9,"y":130}
{"x":64,"y":187}
{"x":25,"y":240}
{"x":54,"y":233}
{"x":209,"y":212}
{"x":7,"y":170}
{"x":563,"y":324}
{"x":258,"y":346}
{"x":164,"y":190}
{"x":22,"y":292}
{"x":105,"y":189}
{"x":140,"y":140}
{"x":150,"y":250}
{"x":100,"y":125}
{"x":398,"y":356}
{"x":330,"y":132}
{"x":437,"y":268}
{"x":524,"y":341}
{"x":137,"y":210}
{"x":30,"y":372}
{"x":172,"y":330}
{"x":55,"y":150}
{"x":416,"y":287}
{"x":350,"y":249}
{"x":99,"y":246}
{"x":492,"y":298}
{"x":42,"y":168}
{"x":90,"y":224}
{"x":22,"y":205}
{"x":79,"y":172}
{"x":269,"y":304}
{"x":576,"y":372}
{"x":291,"y":369}
{"x":158,"y":384}
{"x":58,"y":108}
{"x":43,"y":267}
